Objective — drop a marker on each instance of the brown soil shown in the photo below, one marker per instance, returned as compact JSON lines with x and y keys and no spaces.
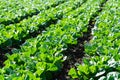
{"x":75,"y":53}
{"x":2,"y":58}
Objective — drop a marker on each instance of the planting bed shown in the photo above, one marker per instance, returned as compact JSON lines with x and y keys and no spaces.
{"x":60,"y":40}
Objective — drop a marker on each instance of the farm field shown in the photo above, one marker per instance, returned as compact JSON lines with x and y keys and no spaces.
{"x":59,"y":40}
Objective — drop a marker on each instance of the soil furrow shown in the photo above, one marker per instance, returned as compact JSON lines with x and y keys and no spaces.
{"x":75,"y":53}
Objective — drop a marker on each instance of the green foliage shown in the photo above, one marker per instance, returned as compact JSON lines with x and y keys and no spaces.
{"x":38,"y":58}
{"x":104,"y":48}
{"x":18,"y":10}
{"x":19,"y":31}
{"x":73,"y":73}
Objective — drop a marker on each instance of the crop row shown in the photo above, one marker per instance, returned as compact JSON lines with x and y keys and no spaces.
{"x":39,"y":57}
{"x":104,"y":48}
{"x":13,"y":10}
{"x":16,"y":32}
